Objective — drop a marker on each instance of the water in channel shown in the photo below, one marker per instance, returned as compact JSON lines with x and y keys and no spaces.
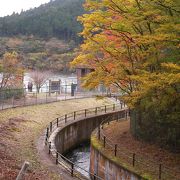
{"x":80,"y":156}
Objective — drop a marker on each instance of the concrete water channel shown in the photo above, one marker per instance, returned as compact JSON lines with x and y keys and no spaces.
{"x":80,"y":156}
{"x":66,"y":135}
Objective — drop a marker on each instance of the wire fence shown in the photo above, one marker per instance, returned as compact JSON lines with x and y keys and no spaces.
{"x":10,"y":98}
{"x":71,"y":117}
{"x":142,"y":164}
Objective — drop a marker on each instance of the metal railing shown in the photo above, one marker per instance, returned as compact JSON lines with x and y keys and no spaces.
{"x":71,"y":117}
{"x":140,"y":163}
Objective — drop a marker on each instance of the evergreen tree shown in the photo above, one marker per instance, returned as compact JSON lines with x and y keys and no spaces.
{"x":56,"y":18}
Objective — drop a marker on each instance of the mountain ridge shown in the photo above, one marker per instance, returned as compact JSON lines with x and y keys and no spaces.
{"x":57,"y":18}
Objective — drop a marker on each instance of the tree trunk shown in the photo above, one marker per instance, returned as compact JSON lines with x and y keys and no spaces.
{"x":37,"y":89}
{"x":133,"y":122}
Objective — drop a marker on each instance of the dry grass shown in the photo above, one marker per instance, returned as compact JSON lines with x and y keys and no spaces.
{"x":20,"y":129}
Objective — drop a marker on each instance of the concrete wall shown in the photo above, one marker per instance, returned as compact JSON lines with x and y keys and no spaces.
{"x":77,"y":132}
{"x":108,"y":170}
{"x":73,"y":134}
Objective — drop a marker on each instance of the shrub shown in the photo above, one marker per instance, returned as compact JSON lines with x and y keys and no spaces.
{"x":9,"y":93}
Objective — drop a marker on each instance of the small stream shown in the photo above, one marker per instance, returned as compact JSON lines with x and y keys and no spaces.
{"x":80,"y":156}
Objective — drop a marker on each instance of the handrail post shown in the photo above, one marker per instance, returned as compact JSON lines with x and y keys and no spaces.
{"x":121,"y":105}
{"x":96,"y":111}
{"x":134,"y":159}
{"x":104,"y":141}
{"x":74,"y":115}
{"x":57,"y":122}
{"x":105,"y":109}
{"x":160,"y":170}
{"x":57,"y":155}
{"x":94,"y":176}
{"x":47,"y":133}
{"x":115,"y":150}
{"x":85,"y":112}
{"x":72,"y":169}
{"x":51,"y":126}
{"x":65,"y":118}
{"x":46,"y":140}
{"x":49,"y":147}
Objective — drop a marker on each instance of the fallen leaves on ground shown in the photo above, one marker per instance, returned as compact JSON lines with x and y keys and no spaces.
{"x":20,"y":129}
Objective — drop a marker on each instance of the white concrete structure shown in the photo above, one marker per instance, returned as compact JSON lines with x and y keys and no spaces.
{"x":65,"y":84}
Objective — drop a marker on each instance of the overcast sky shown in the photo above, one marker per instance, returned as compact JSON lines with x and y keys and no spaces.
{"x":7,"y":7}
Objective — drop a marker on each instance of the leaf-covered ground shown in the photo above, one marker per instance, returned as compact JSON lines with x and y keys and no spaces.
{"x":118,"y":133}
{"x":21,"y":127}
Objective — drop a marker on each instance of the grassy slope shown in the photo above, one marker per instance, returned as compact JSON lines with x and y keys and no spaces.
{"x":119,"y":134}
{"x":21,"y":127}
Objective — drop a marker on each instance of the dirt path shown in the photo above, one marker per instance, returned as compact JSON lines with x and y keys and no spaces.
{"x":49,"y":163}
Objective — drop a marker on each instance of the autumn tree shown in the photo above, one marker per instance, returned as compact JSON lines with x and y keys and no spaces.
{"x":11,"y":71}
{"x":39,"y":78}
{"x":134,"y":45}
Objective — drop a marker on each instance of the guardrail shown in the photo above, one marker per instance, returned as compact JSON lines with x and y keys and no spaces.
{"x":158,"y":170}
{"x":71,"y":117}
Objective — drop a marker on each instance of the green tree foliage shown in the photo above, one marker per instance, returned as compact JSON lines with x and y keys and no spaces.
{"x":57,"y":18}
{"x":134,"y":45}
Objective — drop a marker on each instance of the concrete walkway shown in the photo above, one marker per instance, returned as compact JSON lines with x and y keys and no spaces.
{"x":49,"y":162}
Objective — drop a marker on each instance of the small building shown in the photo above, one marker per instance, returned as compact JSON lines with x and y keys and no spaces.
{"x":82,"y":71}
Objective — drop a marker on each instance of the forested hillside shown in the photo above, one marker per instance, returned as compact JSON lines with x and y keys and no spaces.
{"x":55,"y":19}
{"x":44,"y":37}
{"x":39,"y":53}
